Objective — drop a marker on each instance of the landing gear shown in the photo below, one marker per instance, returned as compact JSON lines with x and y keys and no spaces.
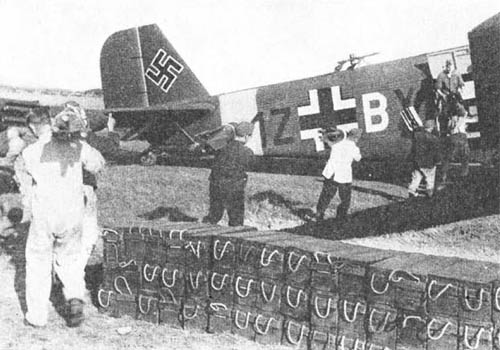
{"x":149,"y":158}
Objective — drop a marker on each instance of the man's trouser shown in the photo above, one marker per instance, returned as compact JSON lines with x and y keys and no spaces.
{"x":416,"y":177}
{"x":456,"y":146}
{"x":45,"y":251}
{"x":229,"y":195}
{"x":90,"y":229}
{"x":25,"y":183}
{"x":329,"y":191}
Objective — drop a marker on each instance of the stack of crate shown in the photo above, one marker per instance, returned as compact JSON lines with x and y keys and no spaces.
{"x":323,"y":301}
{"x":292,"y":286}
{"x":442,"y":307}
{"x":160,"y":275}
{"x":352,"y":306}
{"x":495,"y":313}
{"x":123,"y":255}
{"x":475,"y":316}
{"x":221,"y":272}
{"x":257,"y":287}
{"x":226,"y":259}
{"x":268,"y":263}
{"x":150,"y":269}
{"x":476,"y":306}
{"x":402,"y":294}
{"x":183,"y":282}
{"x":279,"y":288}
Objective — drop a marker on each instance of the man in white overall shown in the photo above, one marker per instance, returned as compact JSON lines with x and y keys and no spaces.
{"x":105,"y":143}
{"x":57,"y":205}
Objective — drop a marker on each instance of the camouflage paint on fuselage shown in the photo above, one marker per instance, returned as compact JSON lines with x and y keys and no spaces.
{"x":146,"y":81}
{"x":288,"y":115}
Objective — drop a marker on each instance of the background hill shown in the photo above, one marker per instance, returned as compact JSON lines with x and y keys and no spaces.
{"x":90,"y":99}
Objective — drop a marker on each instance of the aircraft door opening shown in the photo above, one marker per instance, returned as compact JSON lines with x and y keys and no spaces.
{"x":242,"y":106}
{"x":461,"y":59}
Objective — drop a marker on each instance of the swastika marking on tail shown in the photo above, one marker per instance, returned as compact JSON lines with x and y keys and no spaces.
{"x":163,"y":70}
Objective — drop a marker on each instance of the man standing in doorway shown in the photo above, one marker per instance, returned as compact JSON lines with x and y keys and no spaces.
{"x":449,"y":85}
{"x":449,"y":81}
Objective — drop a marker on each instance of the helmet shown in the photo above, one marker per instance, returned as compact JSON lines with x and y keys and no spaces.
{"x":75,"y":107}
{"x":68,"y":121}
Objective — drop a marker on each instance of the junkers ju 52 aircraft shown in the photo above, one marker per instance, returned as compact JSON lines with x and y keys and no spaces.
{"x":151,"y":90}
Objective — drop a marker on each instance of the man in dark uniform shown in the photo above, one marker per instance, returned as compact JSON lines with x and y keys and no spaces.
{"x":228,"y":178}
{"x":448,"y":86}
{"x":426,"y":155}
{"x":449,"y":81}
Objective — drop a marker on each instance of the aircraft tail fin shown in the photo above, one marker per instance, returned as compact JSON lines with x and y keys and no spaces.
{"x":141,"y":69}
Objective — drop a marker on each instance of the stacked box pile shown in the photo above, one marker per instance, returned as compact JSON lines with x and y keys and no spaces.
{"x":307,"y":293}
{"x":160,"y":275}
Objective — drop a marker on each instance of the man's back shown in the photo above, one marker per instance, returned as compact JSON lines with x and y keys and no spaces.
{"x":339,"y":163}
{"x":56,"y":169}
{"x":345,"y":151}
{"x":426,"y":149}
{"x":232,"y":161}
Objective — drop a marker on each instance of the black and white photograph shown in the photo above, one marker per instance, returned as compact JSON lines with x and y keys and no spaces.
{"x":236,"y":174}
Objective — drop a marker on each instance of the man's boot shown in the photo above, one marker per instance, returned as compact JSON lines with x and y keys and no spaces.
{"x":75,"y":312}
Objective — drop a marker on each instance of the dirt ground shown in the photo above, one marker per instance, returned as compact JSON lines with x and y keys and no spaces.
{"x":463,"y":221}
{"x":98,"y":331}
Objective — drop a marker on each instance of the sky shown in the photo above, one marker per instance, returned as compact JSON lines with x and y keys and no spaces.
{"x":229,"y":44}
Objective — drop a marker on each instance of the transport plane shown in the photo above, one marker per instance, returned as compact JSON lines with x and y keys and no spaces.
{"x":152,"y":92}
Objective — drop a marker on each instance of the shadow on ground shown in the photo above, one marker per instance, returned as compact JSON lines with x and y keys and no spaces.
{"x":277,"y":200}
{"x":461,"y":200}
{"x":377,"y":193}
{"x":173,"y":214}
{"x":15,"y":247}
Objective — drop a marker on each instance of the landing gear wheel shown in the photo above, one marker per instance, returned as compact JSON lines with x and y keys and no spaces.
{"x":149,"y":159}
